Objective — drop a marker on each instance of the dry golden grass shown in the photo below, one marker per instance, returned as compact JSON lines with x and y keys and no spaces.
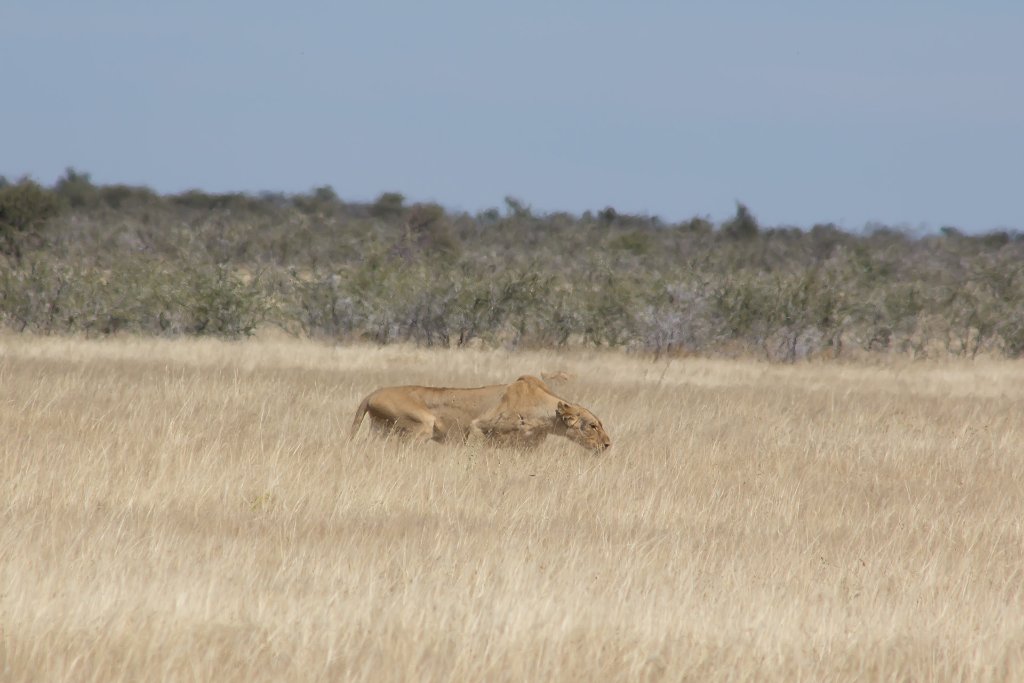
{"x":195,"y":510}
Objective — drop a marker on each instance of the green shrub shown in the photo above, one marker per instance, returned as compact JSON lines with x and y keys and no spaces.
{"x":637,"y":242}
{"x":118,"y":197}
{"x":76,"y":189}
{"x":430,"y":230}
{"x":217,"y":302}
{"x":33,"y":296}
{"x":322,"y":201}
{"x":388,"y":205}
{"x":742,"y":226}
{"x":24,"y":208}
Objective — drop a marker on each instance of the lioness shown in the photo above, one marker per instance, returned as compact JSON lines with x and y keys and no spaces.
{"x":521,"y":413}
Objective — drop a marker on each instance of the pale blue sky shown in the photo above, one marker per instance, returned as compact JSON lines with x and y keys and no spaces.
{"x":909,"y":113}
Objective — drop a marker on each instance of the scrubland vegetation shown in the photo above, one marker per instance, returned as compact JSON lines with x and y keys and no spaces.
{"x":194,"y":510}
{"x":98,"y":260}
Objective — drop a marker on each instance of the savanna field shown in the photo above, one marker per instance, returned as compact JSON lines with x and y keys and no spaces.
{"x":196,"y":510}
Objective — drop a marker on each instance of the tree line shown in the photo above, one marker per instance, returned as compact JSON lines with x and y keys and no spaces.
{"x":83,"y":258}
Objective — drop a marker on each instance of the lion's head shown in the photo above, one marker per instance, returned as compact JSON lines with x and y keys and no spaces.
{"x":582,"y":426}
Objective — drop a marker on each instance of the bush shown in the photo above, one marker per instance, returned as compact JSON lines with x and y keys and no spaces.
{"x":388,"y":205}
{"x":323,"y":201}
{"x":76,"y":189}
{"x":34,"y":298}
{"x":742,"y":226}
{"x":430,"y":231}
{"x":117,"y":197}
{"x":217,"y":302}
{"x":24,"y":208}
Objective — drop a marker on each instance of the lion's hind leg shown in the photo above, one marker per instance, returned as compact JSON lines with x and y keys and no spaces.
{"x":420,"y":427}
{"x":383,"y":427}
{"x":391,"y":414}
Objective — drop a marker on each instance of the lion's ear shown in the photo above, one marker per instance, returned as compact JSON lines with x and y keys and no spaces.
{"x":567,"y":413}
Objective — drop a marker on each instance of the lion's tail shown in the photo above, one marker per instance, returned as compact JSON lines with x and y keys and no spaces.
{"x":360,"y":412}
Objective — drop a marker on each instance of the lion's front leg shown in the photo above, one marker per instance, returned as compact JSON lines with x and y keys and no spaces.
{"x":509,"y":429}
{"x":495,"y":427}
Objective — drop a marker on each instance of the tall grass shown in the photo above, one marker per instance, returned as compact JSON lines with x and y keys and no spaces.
{"x":195,"y":510}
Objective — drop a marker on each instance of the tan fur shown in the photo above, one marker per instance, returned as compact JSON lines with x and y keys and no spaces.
{"x":522,"y":413}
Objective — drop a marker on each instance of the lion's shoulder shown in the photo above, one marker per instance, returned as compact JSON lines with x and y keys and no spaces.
{"x":528,"y":392}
